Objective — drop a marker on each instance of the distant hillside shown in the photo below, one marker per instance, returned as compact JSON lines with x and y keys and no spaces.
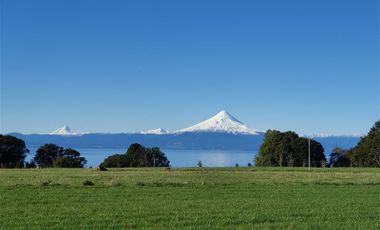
{"x":204,"y":140}
{"x":201,"y":140}
{"x":220,"y":132}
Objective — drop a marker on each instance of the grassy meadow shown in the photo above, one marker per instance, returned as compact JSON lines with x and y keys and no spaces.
{"x":193,"y":198}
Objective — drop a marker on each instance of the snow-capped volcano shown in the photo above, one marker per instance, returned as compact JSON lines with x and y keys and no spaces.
{"x":158,"y":131}
{"x":221,"y":122}
{"x":65,"y":130}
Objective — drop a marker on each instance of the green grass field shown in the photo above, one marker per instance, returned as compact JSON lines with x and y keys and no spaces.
{"x":225,"y":198}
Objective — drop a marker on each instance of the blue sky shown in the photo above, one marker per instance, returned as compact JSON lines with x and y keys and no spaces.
{"x":118,"y":66}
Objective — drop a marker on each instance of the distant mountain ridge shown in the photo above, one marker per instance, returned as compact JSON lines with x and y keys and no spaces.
{"x":158,"y":131}
{"x":222,"y":122}
{"x":220,"y":132}
{"x":326,"y":135}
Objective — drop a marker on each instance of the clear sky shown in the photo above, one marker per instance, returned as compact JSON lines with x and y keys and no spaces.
{"x":120,"y":66}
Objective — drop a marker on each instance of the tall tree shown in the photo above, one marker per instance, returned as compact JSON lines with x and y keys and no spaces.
{"x":46,"y":155}
{"x":51,"y":155}
{"x":367,"y":152}
{"x":288,"y":149}
{"x":136,"y":156}
{"x":12,"y":152}
{"x":268,"y":150}
{"x":339,"y":158}
{"x":69,"y":158}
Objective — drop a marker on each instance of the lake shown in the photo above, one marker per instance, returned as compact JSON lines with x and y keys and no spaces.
{"x":178,"y":158}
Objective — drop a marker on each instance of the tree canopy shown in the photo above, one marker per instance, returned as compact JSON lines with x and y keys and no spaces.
{"x":367,"y":151}
{"x":12,"y":152}
{"x":339,"y":158}
{"x":69,"y":158}
{"x":137,"y":156}
{"x":51,"y":155}
{"x":288,"y":149}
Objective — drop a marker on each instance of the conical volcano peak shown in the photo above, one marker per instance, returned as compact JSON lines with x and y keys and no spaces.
{"x":224,"y":115}
{"x":221,"y":122}
{"x":65,"y":130}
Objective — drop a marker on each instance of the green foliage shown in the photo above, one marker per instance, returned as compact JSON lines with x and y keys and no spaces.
{"x":137,"y":156}
{"x":12,"y":152}
{"x":46,"y":155}
{"x":51,"y":155}
{"x":116,"y":161}
{"x":69,"y":158}
{"x":339,"y":158}
{"x":154,"y":157}
{"x":288,"y":149}
{"x":367,"y":152}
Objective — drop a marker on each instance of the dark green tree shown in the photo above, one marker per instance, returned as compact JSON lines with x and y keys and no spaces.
{"x":69,"y":158}
{"x":287,"y":153}
{"x":367,"y":152}
{"x":269,"y":149}
{"x":46,"y":155}
{"x":318,"y":158}
{"x":138,"y":156}
{"x":115,"y":161}
{"x":12,"y":152}
{"x":288,"y":149}
{"x":51,"y":155}
{"x":155,"y":158}
{"x":339,"y":158}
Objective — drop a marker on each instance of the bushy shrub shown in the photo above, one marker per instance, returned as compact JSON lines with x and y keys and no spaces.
{"x":137,"y":156}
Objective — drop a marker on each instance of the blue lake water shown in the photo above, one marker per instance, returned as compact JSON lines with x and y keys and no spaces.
{"x":178,"y":158}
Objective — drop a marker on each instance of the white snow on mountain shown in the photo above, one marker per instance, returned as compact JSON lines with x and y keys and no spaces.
{"x":221,"y":122}
{"x":158,"y":131}
{"x":64,"y":131}
{"x":326,"y":135}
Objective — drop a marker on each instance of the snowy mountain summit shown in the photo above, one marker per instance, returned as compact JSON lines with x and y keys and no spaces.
{"x":221,"y":122}
{"x":158,"y":131}
{"x":65,"y":131}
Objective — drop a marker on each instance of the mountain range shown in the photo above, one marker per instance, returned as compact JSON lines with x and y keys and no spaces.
{"x":222,"y":122}
{"x":221,"y":132}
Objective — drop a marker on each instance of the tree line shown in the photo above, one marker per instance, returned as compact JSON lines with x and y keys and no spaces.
{"x":13,"y":153}
{"x":289,"y":149}
{"x":285,"y":149}
{"x":365,"y":154}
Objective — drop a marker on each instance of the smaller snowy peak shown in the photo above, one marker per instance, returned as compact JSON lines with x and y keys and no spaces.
{"x":326,"y":135}
{"x":221,"y":122}
{"x":64,"y":131}
{"x":158,"y":131}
